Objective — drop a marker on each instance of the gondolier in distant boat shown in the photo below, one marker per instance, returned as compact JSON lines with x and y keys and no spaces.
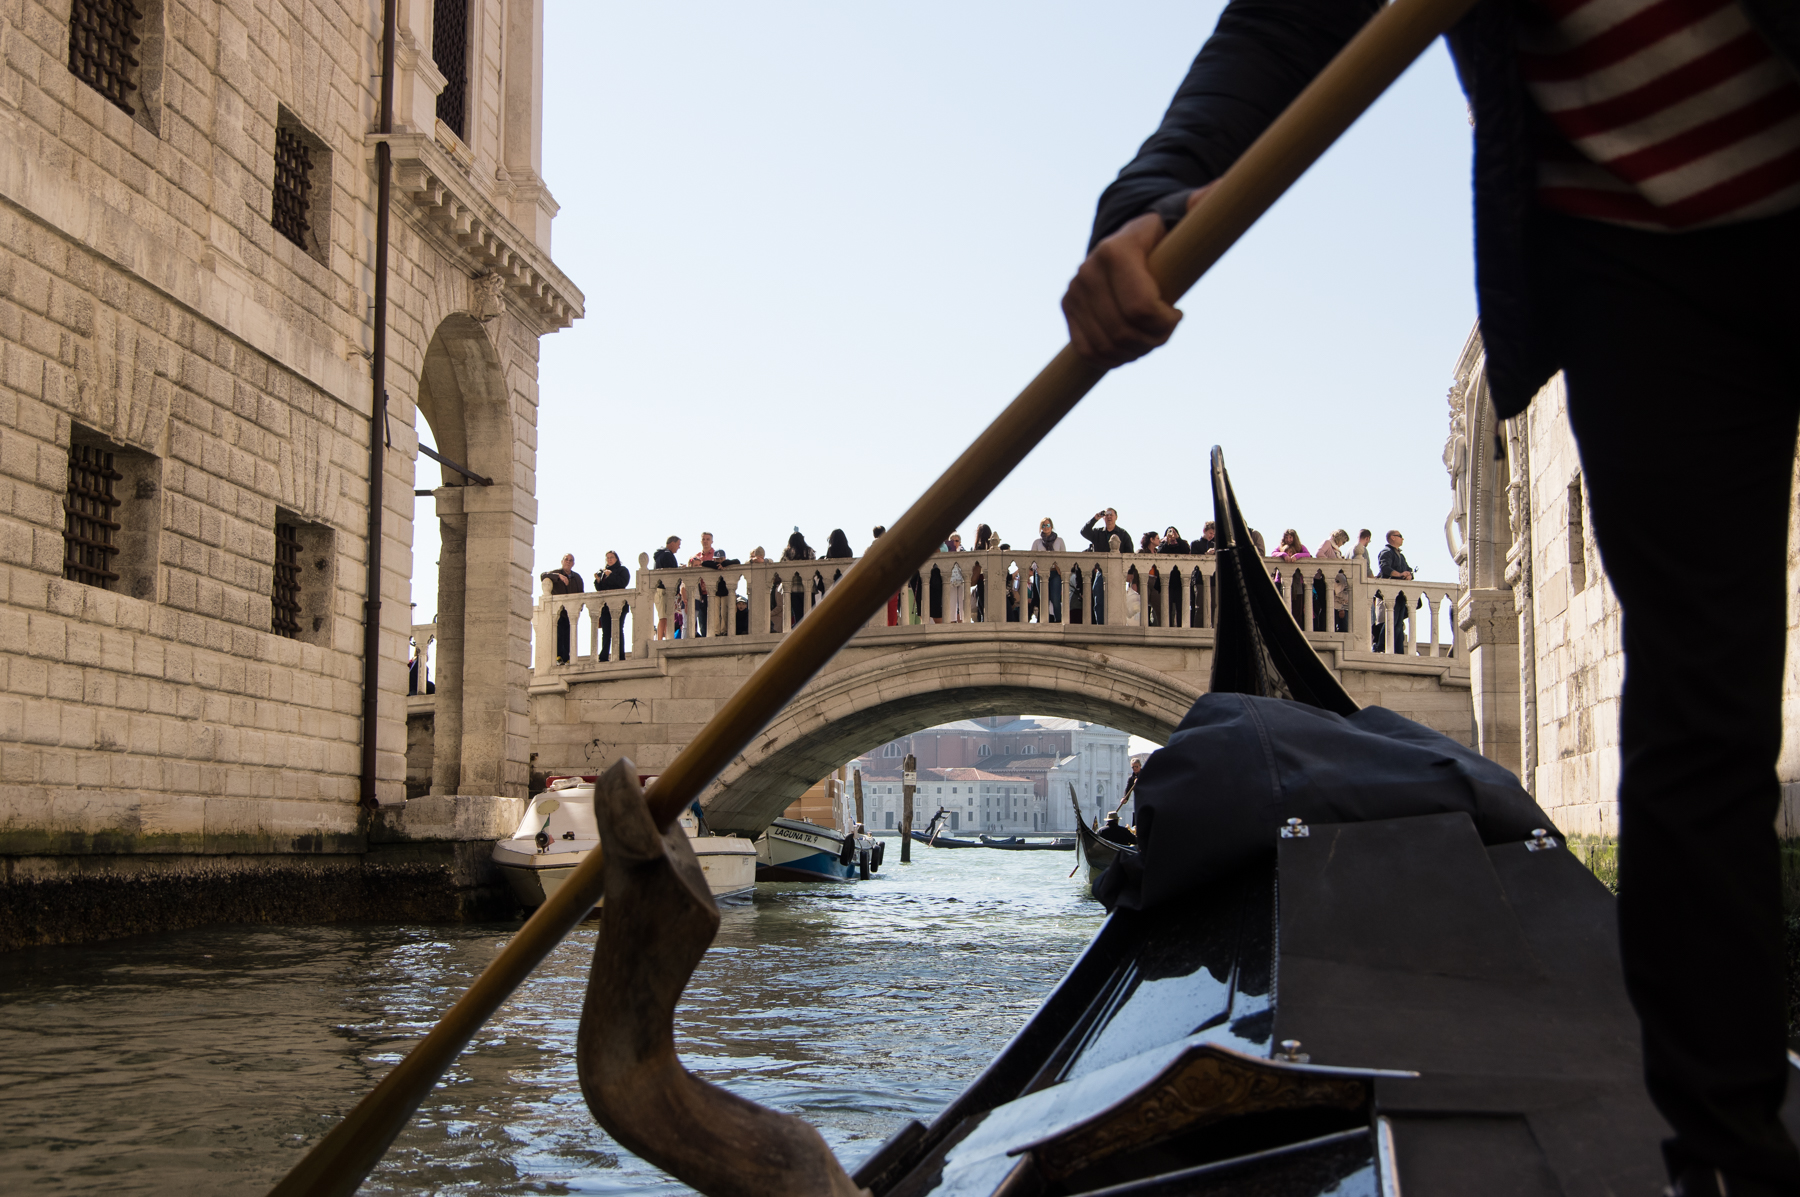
{"x":1116,"y":833}
{"x":1637,"y":226}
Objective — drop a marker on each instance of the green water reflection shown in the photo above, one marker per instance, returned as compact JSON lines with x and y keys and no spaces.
{"x":205,"y":1061}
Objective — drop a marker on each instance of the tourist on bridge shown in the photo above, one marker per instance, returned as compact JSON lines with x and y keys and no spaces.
{"x":797,"y":549}
{"x":1392,"y":564}
{"x":1149,"y":542}
{"x":563,"y":580}
{"x":703,"y":557}
{"x":614,"y":577}
{"x":1047,"y":542}
{"x":1637,"y":227}
{"x":1362,"y":546}
{"x":1171,"y":541}
{"x":1104,"y":535}
{"x":1290,"y":548}
{"x":837,"y":546}
{"x":1208,"y":542}
{"x":659,"y":599}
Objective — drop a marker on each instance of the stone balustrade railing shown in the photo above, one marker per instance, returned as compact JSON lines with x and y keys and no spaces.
{"x":1161,"y":596}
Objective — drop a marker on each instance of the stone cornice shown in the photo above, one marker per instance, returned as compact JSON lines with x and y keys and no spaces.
{"x":491,"y":244}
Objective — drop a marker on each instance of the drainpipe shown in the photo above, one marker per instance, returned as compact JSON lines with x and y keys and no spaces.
{"x":384,"y":169}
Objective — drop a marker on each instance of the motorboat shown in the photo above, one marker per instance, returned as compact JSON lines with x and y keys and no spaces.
{"x":1018,"y":843}
{"x":558,"y":831}
{"x":797,"y":850}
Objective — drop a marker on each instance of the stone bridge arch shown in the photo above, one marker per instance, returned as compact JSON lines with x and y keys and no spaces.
{"x":844,"y":713}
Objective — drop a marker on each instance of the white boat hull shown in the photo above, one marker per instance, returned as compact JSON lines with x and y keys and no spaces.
{"x":728,"y":863}
{"x":794,"y":850}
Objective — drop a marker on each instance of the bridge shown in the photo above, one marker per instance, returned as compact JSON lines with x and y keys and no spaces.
{"x":1118,"y":639}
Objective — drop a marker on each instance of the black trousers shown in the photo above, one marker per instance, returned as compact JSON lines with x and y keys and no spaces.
{"x":1684,"y":407}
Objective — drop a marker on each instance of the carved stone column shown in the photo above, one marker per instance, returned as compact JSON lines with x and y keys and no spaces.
{"x":496,"y":629}
{"x":1490,"y":624}
{"x":446,"y":759}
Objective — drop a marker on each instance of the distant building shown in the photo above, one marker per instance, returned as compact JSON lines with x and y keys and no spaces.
{"x":1001,"y":775}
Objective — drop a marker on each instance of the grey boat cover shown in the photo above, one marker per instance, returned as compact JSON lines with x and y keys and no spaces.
{"x":1239,"y":766}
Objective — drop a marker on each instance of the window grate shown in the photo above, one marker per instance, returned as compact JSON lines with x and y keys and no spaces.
{"x":285,"y":620}
{"x":101,"y":35}
{"x":450,"y":50}
{"x":293,"y":180}
{"x":88,"y":526}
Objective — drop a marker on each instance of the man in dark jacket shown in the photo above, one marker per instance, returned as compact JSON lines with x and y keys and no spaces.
{"x":1393,"y":565}
{"x":563,"y":581}
{"x":1100,"y":532}
{"x":1663,"y":312}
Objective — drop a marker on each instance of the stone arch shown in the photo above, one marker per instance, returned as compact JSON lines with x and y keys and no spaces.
{"x":479,"y":740}
{"x":843,"y":714}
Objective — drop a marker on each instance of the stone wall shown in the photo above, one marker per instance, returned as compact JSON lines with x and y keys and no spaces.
{"x":149,"y":309}
{"x":1579,"y":657}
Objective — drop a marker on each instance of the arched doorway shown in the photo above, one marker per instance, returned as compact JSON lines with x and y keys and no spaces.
{"x":482,"y":654}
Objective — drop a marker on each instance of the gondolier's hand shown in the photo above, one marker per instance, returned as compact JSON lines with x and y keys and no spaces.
{"x":1115,"y":312}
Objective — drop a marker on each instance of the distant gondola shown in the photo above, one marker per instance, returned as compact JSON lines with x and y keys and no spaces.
{"x":1096,"y":853}
{"x":1017,"y":843}
{"x":943,"y":841}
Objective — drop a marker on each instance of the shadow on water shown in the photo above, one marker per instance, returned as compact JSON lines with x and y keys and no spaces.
{"x":206,"y":1061}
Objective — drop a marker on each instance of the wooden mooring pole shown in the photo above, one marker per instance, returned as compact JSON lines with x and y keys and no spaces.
{"x":907,"y":779}
{"x":856,"y":776}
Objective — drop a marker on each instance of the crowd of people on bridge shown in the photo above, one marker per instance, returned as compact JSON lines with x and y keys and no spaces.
{"x":955,"y":594}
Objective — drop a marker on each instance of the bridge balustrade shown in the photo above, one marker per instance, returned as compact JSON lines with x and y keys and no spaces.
{"x":1128,"y":597}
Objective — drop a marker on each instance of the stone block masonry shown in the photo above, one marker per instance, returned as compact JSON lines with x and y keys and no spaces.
{"x":180,"y":710}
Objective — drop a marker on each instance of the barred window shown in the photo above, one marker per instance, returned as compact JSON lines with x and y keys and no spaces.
{"x":293,"y":182}
{"x":89,"y":530}
{"x":285,"y":620}
{"x":303,"y":582}
{"x":103,"y":39}
{"x":450,"y":50}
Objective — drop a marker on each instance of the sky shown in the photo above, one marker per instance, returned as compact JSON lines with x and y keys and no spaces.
{"x":822,"y":245}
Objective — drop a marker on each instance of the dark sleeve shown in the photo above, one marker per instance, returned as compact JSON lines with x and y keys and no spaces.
{"x":1260,"y":56}
{"x":1089,"y":534}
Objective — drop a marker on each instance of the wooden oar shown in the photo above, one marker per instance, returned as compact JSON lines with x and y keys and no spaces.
{"x":1353,"y":80}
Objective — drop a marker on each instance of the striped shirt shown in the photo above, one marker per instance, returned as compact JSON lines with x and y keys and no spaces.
{"x":1676,"y":113}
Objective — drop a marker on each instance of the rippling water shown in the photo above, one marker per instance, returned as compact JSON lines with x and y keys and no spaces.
{"x":206,"y":1061}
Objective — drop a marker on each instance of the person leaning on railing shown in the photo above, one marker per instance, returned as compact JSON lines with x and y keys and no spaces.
{"x":1637,"y":227}
{"x":659,"y":597}
{"x":563,"y":581}
{"x":614,"y":577}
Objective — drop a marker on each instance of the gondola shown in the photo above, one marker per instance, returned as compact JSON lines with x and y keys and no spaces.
{"x":942,"y":841}
{"x":1094,"y":852}
{"x":1016,"y":843}
{"x":1449,"y":1018}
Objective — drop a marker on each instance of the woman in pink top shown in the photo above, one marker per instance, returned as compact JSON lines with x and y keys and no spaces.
{"x":1290,"y":548}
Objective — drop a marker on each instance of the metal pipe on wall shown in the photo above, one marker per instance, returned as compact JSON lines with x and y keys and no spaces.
{"x":384,"y":170}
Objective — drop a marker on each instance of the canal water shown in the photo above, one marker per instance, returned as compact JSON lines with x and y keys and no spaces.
{"x":205,"y":1062}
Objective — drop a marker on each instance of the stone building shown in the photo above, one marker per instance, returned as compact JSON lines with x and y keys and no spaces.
{"x":975,"y":801}
{"x":187,"y":247}
{"x":1546,"y":658}
{"x":1047,"y":754}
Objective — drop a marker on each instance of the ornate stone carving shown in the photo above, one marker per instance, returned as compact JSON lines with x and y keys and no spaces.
{"x":487,"y":297}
